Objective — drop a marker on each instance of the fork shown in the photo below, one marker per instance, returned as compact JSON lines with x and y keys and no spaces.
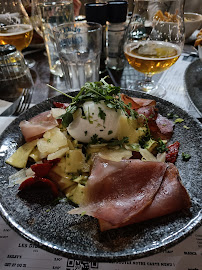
{"x":24,"y":102}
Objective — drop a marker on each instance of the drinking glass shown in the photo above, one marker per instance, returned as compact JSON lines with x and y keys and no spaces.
{"x":79,"y":46}
{"x":15,"y":26}
{"x":154,"y":40}
{"x":47,"y":14}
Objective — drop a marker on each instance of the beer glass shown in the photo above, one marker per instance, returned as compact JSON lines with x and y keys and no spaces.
{"x":154,"y":40}
{"x":15,"y":26}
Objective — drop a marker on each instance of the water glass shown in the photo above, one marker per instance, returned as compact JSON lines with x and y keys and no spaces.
{"x":14,"y":73}
{"x":79,"y":47}
{"x":51,"y":14}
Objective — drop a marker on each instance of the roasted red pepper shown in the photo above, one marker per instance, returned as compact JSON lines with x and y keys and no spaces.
{"x":37,"y":181}
{"x":42,"y":169}
{"x":172,"y":152}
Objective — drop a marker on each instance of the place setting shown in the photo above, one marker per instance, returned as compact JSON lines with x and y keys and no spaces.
{"x":100,"y":162}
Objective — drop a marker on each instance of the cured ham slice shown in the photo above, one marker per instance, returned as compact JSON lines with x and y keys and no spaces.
{"x":130,"y":191}
{"x":116,"y":191}
{"x":160,"y":127}
{"x":137,"y":102}
{"x":171,"y":197}
{"x":36,"y":126}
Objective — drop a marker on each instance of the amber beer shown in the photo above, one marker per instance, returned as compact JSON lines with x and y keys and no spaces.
{"x":151,"y":57}
{"x":19,"y":35}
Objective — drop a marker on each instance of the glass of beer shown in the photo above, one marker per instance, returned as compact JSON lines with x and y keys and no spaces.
{"x":154,"y":40}
{"x":15,"y":26}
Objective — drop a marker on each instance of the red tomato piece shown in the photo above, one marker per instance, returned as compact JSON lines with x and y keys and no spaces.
{"x":172,"y":153}
{"x":60,"y":105}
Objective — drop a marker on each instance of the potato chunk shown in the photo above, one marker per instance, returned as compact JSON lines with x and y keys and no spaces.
{"x":51,"y":142}
{"x":115,"y":155}
{"x":75,"y":161}
{"x":129,"y":127}
{"x":20,"y":156}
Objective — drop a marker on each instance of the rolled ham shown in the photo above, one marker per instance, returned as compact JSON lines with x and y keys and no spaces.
{"x":37,"y":126}
{"x":131,"y":191}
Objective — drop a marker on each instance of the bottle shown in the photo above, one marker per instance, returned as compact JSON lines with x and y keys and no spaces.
{"x":97,"y":12}
{"x":116,"y":27}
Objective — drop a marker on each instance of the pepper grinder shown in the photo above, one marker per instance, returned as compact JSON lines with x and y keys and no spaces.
{"x":97,"y":12}
{"x":116,"y":27}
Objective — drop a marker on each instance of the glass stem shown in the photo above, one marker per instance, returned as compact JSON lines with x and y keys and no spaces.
{"x":148,"y":79}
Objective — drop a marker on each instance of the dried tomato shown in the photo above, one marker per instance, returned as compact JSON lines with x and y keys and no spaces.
{"x":172,"y":152}
{"x":60,"y":105}
{"x":37,"y":181}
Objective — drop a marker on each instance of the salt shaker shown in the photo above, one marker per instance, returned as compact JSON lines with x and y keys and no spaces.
{"x":116,"y":26}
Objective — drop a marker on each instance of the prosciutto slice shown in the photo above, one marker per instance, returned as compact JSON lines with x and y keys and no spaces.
{"x":137,"y":102}
{"x":36,"y":126}
{"x":130,"y":191}
{"x":160,"y":126}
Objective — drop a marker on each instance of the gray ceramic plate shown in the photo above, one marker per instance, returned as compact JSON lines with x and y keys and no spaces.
{"x":193,"y":82}
{"x":51,"y":228}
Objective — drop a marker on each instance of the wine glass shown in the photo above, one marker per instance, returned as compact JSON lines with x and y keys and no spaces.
{"x":154,"y":40}
{"x":15,"y":26}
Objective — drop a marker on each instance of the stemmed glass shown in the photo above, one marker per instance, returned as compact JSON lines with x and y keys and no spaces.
{"x":154,"y":40}
{"x":15,"y":26}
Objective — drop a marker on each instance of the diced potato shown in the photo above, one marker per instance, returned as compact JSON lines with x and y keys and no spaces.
{"x":146,"y":155}
{"x":76,"y":193}
{"x":60,"y":168}
{"x":128,"y":127}
{"x":70,"y":144}
{"x":35,"y":155}
{"x":75,"y":161}
{"x":57,"y":112}
{"x":51,"y":142}
{"x":58,"y":154}
{"x":151,"y":145}
{"x":115,"y":155}
{"x":20,"y":157}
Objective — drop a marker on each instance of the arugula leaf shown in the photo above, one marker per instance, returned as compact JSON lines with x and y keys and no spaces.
{"x":67,"y":118}
{"x":97,"y":91}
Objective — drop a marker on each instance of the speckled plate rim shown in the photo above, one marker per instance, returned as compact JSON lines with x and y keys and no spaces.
{"x":186,"y":77}
{"x":169,"y":241}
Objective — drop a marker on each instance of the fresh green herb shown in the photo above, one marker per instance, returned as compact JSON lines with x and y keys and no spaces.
{"x":179,"y":120}
{"x":49,"y":140}
{"x":161,"y":147}
{"x":186,"y":127}
{"x":144,"y":139}
{"x":96,"y":91}
{"x":94,"y":139}
{"x":101,"y":114}
{"x":170,"y":115}
{"x":85,"y":132}
{"x":120,"y":143}
{"x":186,"y":157}
{"x":111,"y":143}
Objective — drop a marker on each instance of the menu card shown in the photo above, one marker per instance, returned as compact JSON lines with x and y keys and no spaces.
{"x":17,"y":253}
